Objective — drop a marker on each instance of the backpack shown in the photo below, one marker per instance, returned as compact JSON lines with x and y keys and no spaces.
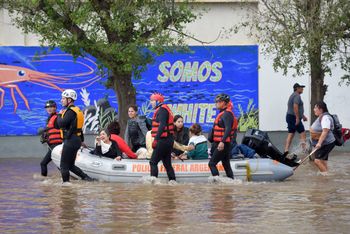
{"x":147,"y":120}
{"x":337,"y":130}
{"x":148,"y":123}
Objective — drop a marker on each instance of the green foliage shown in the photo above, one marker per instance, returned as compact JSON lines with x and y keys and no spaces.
{"x":105,"y":117}
{"x":116,"y":32}
{"x":298,"y":33}
{"x":249,"y":118}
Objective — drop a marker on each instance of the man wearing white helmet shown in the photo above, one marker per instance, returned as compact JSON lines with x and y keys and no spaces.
{"x":71,"y":121}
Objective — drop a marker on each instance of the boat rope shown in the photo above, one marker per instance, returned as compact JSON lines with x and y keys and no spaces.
{"x":249,"y":172}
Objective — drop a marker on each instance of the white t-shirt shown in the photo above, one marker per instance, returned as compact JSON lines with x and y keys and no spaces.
{"x":326,"y":122}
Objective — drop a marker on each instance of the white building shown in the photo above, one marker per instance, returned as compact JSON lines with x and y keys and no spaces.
{"x":274,"y":88}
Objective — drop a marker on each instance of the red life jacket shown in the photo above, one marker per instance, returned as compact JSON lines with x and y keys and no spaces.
{"x":169,"y":128}
{"x":218,"y":132}
{"x":54,"y":134}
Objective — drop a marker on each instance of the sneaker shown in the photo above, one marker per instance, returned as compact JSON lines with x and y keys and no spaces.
{"x":154,"y":180}
{"x":292,"y":156}
{"x":88,"y":178}
{"x":67,"y":183}
{"x":172,"y":182}
{"x":214,"y":179}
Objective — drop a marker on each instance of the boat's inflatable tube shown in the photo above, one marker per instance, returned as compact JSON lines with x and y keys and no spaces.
{"x":132,"y":170}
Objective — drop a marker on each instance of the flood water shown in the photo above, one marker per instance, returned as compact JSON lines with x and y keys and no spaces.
{"x":305,"y":203}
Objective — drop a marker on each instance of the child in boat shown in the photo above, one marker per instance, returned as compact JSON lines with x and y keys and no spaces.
{"x":199,"y":142}
{"x":106,"y":147}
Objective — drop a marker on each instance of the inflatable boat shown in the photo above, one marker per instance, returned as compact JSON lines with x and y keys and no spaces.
{"x":133,"y":170}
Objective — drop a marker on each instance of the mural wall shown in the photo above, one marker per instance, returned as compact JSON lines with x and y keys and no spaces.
{"x":29,"y":77}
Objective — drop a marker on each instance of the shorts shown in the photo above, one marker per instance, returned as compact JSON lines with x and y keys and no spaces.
{"x":292,"y":128}
{"x":323,"y":152}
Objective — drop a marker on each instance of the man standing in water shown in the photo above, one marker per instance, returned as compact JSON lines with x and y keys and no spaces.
{"x":294,"y":117}
{"x":224,"y":129}
{"x":52,"y":135}
{"x":163,"y":133}
{"x":71,"y":122}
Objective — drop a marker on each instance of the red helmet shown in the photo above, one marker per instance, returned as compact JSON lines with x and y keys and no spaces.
{"x":157,"y":97}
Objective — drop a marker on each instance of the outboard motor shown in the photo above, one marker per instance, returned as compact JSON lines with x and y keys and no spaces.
{"x":260,"y":142}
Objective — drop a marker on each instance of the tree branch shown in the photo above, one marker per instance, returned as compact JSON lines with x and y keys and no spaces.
{"x":73,"y":28}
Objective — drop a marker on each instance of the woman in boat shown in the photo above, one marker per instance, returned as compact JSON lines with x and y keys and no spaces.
{"x":181,"y":134}
{"x":322,"y":136}
{"x":199,"y":142}
{"x":114,"y":129}
{"x":136,"y":129}
{"x":106,"y":147}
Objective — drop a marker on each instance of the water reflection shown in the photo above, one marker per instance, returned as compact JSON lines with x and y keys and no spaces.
{"x":222,"y":205}
{"x":68,"y":212}
{"x":163,"y":210}
{"x":305,"y":203}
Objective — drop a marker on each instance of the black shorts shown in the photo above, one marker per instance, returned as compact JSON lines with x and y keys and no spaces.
{"x":323,"y":152}
{"x":292,"y":128}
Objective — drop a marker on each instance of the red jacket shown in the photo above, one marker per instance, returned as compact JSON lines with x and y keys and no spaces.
{"x":123,"y":146}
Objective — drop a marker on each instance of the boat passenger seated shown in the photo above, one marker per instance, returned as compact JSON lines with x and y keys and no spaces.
{"x":114,"y":130}
{"x":106,"y":147}
{"x":199,"y":143}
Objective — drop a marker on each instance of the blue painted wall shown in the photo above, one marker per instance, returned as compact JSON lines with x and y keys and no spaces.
{"x":189,"y":82}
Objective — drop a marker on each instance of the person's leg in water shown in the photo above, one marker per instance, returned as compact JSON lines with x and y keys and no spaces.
{"x":291,"y":120}
{"x":226,"y":161}
{"x":155,"y":158}
{"x":67,"y":160}
{"x":69,"y":153}
{"x":303,"y":142}
{"x":216,"y":157}
{"x":165,"y":149}
{"x":43,"y":164}
{"x":321,"y":165}
{"x":288,"y":141}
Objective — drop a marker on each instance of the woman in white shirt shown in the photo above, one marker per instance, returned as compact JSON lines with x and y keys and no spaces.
{"x":322,"y":136}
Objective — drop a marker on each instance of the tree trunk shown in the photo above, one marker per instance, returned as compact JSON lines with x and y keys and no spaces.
{"x":126,"y":96}
{"x":318,"y":89}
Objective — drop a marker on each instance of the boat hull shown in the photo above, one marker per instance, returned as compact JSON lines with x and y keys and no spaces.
{"x":132,"y":170}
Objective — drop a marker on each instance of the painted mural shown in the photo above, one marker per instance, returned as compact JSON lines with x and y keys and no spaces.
{"x":29,"y":76}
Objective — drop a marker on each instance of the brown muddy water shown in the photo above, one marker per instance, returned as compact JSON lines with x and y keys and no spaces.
{"x":305,"y":203}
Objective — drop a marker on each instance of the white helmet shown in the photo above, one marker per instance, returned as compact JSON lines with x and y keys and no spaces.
{"x":70,"y":93}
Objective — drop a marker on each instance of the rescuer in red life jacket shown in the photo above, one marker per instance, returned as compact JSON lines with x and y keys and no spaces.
{"x":51,"y":134}
{"x":224,"y":129}
{"x":163,"y":133}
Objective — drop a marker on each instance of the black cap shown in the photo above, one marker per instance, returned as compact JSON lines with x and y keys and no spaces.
{"x":222,"y":97}
{"x":297,"y":85}
{"x":50,"y":103}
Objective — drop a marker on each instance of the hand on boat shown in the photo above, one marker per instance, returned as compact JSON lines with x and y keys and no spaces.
{"x":118,"y":158}
{"x":183,"y":156}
